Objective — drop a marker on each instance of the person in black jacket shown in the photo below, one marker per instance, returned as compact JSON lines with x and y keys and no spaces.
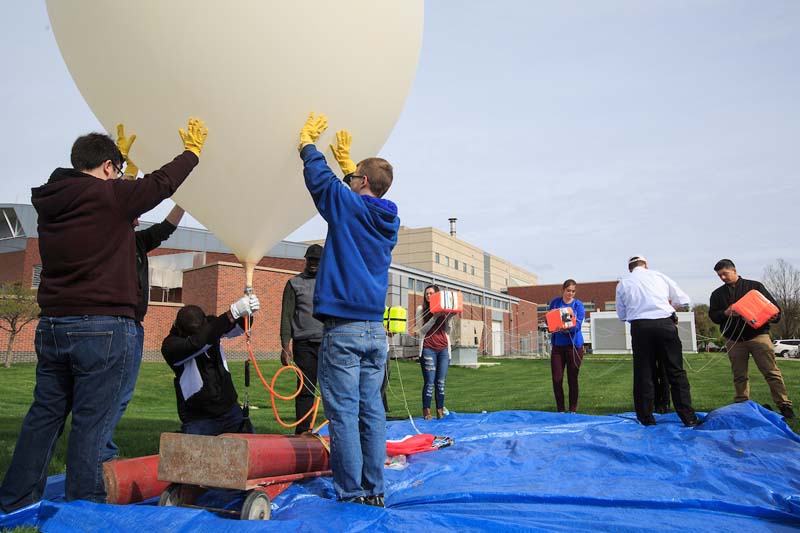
{"x":744,"y":340}
{"x":207,"y":400}
{"x":147,"y":240}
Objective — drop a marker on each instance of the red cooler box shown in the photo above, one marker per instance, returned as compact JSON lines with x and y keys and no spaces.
{"x":447,"y":302}
{"x":559,"y":319}
{"x":755,"y":309}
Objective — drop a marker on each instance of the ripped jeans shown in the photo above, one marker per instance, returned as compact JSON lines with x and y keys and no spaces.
{"x":434,"y":372}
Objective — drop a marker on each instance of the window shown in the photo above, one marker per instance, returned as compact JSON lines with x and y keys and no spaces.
{"x":37,"y":276}
{"x":588,"y":306}
{"x":465,"y":267}
{"x":505,"y":306}
{"x":543,"y":308}
{"x":472,"y":270}
{"x":436,"y":258}
{"x":420,"y":286}
{"x":411,"y":284}
{"x":446,"y":260}
{"x":455,"y":263}
{"x":611,"y":306}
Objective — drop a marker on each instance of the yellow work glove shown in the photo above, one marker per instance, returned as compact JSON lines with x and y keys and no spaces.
{"x":195,"y":136}
{"x":342,"y":151}
{"x":124,"y":145}
{"x":312,"y":129}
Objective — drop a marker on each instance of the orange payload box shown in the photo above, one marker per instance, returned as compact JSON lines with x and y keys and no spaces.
{"x":755,"y":309}
{"x":447,"y":302}
{"x":559,"y":319}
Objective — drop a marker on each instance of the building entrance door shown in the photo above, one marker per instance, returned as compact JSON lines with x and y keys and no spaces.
{"x":497,"y":338}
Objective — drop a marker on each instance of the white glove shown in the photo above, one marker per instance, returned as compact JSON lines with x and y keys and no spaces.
{"x":255,"y":305}
{"x":242,"y":307}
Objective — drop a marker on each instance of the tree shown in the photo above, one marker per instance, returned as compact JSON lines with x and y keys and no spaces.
{"x":705,"y":329}
{"x":18,"y":308}
{"x":782,"y":280}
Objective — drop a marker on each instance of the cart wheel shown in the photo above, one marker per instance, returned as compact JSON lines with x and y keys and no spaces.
{"x":255,"y":506}
{"x":171,"y":497}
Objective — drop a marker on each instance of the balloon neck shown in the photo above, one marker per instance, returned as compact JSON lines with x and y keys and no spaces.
{"x":249,"y":268}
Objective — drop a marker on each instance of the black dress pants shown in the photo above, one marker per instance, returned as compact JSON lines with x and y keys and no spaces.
{"x":651,"y":338}
{"x":305,"y":357}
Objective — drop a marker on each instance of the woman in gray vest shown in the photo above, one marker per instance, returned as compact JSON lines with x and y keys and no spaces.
{"x":299,"y":326}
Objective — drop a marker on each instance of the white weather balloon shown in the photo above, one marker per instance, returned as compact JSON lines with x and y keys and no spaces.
{"x":252,"y":70}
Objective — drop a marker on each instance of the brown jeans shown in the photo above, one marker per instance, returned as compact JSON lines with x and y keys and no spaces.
{"x":760,"y":348}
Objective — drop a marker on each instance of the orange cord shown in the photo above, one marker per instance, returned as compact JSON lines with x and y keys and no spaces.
{"x":271,"y":388}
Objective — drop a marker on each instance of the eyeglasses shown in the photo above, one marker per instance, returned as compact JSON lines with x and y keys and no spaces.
{"x":119,"y":170}
{"x":350,"y":177}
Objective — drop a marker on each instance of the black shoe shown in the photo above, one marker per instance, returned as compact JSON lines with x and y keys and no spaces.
{"x":692,"y":422}
{"x":648,"y":421}
{"x":375,"y":500}
{"x":787,"y":412}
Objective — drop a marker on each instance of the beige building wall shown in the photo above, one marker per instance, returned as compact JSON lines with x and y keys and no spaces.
{"x":435,"y":251}
{"x":505,"y":274}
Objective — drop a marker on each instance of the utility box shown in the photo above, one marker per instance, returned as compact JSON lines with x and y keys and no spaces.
{"x":465,"y":338}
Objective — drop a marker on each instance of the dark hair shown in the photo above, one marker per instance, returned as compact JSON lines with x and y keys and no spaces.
{"x":380,"y":173}
{"x":189,"y":320}
{"x":426,"y":305}
{"x":568,"y":283}
{"x":722,"y":264}
{"x":635,"y":264}
{"x":92,"y":150}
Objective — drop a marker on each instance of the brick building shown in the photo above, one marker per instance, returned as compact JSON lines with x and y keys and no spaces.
{"x":595,"y":295}
{"x":194,"y":267}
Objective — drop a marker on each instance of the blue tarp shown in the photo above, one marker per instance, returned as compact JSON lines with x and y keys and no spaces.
{"x":533,"y":471}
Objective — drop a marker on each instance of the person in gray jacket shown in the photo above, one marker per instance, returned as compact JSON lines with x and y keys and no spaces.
{"x":301,"y":333}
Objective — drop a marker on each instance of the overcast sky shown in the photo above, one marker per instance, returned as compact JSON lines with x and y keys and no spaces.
{"x":565,"y":136}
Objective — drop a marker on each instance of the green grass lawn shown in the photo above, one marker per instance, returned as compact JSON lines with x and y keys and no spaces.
{"x":606,"y":385}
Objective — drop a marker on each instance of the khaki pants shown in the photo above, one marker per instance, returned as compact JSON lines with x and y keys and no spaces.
{"x":760,"y":348}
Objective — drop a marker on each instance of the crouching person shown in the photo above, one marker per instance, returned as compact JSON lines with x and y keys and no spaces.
{"x":207,"y":400}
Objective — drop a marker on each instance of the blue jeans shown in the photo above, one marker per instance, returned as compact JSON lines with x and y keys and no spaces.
{"x":81,"y":365}
{"x":230,"y":422}
{"x":434,"y":372}
{"x":352,"y":359}
{"x":126,"y":393}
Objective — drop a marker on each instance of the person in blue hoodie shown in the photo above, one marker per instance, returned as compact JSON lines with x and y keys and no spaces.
{"x":349,"y":299}
{"x":567,"y":350}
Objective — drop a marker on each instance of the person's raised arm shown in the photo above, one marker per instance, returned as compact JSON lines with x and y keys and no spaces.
{"x":331,"y":197}
{"x":312,"y":129}
{"x":342,"y":152}
{"x":175,"y":215}
{"x":139,"y":196}
{"x":124,"y":144}
{"x":152,"y":237}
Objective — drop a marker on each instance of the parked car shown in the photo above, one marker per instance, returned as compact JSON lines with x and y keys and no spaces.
{"x":787,"y":347}
{"x":709,"y":346}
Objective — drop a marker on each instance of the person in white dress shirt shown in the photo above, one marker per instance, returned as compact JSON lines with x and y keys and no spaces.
{"x":648,"y":299}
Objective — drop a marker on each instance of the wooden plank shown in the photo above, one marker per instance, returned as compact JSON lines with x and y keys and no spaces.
{"x":202,"y":460}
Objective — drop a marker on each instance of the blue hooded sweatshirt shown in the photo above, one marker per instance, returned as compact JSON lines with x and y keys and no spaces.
{"x":574,"y":335}
{"x":353,"y":273}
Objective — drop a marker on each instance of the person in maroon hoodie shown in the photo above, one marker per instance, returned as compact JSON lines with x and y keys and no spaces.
{"x":88,"y":295}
